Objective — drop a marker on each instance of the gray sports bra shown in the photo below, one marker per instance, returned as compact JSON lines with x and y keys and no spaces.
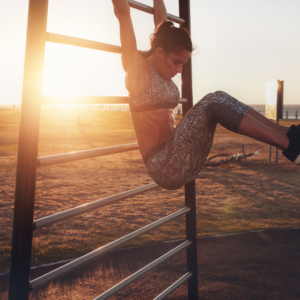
{"x":159,"y":93}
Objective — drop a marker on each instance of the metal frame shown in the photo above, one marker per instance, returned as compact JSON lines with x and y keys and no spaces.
{"x":78,"y":155}
{"x":52,"y":100}
{"x":72,"y":212}
{"x":23,"y":224}
{"x":190,"y":189}
{"x":72,"y":41}
{"x":149,"y":10}
{"x":174,"y":286}
{"x":27,"y":151}
{"x":71,"y":266}
{"x":142,"y":271}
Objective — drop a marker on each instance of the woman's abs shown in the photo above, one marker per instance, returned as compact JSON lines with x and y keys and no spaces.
{"x":153,"y":128}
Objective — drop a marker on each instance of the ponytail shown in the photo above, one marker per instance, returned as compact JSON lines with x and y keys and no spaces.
{"x":171,"y":38}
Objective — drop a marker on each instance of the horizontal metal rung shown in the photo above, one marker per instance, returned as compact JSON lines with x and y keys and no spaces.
{"x":73,"y":156}
{"x":73,"y":41}
{"x":64,"y":215}
{"x":174,"y":286}
{"x":54,"y":100}
{"x":36,"y":283}
{"x":142,"y":271}
{"x":150,"y":10}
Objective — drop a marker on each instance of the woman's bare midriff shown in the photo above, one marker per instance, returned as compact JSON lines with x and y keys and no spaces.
{"x":153,"y":128}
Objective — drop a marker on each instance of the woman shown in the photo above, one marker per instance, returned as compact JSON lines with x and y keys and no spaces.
{"x":174,"y":156}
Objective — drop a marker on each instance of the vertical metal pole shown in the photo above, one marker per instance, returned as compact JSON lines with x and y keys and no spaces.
{"x":190,"y":190}
{"x":279,"y":109}
{"x":277,"y":151}
{"x":27,"y":151}
{"x":279,"y":112}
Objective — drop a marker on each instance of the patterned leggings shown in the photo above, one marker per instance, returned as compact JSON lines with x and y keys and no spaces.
{"x":177,"y":162}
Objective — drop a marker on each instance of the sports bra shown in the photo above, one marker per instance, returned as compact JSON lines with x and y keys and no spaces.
{"x":159,"y":93}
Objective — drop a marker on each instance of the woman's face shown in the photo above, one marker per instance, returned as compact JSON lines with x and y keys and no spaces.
{"x":171,"y":64}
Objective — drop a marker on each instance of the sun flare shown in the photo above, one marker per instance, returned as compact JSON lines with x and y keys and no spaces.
{"x":70,"y":72}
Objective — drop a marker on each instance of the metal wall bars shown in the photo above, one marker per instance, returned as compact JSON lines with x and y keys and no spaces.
{"x":83,"y":260}
{"x":142,"y":271}
{"x":72,"y":212}
{"x":78,"y":155}
{"x":27,"y":163}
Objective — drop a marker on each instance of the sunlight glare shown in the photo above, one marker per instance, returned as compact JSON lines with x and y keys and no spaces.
{"x":271,"y":99}
{"x":271,"y":92}
{"x":73,"y":71}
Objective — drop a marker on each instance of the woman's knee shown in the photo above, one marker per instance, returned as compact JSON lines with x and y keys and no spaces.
{"x":221,"y":96}
{"x":214,"y":97}
{"x":210,"y":101}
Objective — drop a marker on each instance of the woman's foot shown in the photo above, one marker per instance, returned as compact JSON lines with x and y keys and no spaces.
{"x":293,"y":151}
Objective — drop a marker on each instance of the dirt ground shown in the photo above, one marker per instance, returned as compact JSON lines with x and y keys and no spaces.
{"x":256,"y":265}
{"x":230,"y":198}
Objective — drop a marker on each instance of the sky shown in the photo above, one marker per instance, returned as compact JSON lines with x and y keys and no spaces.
{"x":241,"y":44}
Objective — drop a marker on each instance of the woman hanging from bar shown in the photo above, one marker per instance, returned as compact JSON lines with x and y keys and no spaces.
{"x":174,"y":156}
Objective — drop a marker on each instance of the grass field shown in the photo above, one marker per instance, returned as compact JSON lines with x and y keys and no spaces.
{"x":230,"y":198}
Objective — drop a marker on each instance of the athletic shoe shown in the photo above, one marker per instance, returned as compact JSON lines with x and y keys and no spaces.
{"x":293,"y":151}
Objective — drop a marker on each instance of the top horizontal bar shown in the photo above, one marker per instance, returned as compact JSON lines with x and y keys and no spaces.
{"x":150,"y":10}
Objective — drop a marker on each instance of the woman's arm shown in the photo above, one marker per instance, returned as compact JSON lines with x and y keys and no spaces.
{"x":160,"y":12}
{"x":127,"y":36}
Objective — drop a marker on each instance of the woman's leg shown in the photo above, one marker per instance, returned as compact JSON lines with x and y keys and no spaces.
{"x":259,"y":117}
{"x":272,"y":135}
{"x":242,"y":119}
{"x":183,"y":156}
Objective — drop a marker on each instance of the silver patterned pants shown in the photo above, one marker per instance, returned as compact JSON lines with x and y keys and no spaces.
{"x":179,"y":161}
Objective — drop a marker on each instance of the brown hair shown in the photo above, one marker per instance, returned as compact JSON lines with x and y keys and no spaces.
{"x":170,"y":39}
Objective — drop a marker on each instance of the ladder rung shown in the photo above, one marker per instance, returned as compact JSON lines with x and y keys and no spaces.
{"x":76,"y":211}
{"x":83,"y":260}
{"x":69,"y":40}
{"x":174,"y":286}
{"x":141,"y":272}
{"x":53,"y":100}
{"x":78,"y":155}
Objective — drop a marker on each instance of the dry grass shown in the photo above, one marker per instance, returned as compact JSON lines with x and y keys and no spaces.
{"x":230,"y":198}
